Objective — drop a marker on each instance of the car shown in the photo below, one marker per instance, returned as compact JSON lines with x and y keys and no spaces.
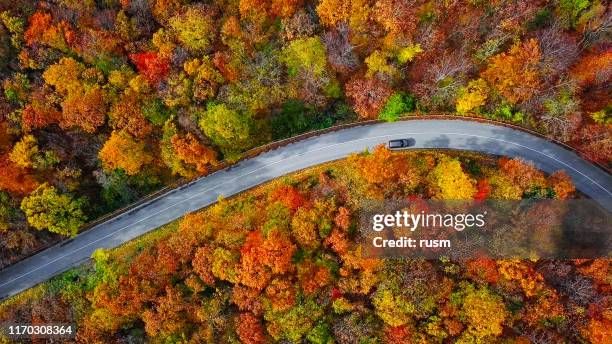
{"x":401,"y":143}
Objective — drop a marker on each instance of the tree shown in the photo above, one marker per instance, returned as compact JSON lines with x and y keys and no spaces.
{"x":522,"y":174}
{"x":39,"y":113}
{"x":451,"y":182}
{"x":282,"y":294}
{"x":289,"y":196}
{"x":170,"y":315}
{"x":247,"y":299}
{"x":15,"y":179}
{"x":378,"y":65}
{"x":15,"y":26}
{"x":570,"y":11}
{"x":191,"y":151}
{"x":24,"y":151}
{"x":300,"y":25}
{"x":340,"y":54}
{"x":306,"y":62}
{"x":126,"y":115}
{"x":42,"y":30}
{"x":249,"y":329}
{"x":484,"y":311}
{"x":472,"y":97}
{"x":305,"y":54}
{"x":122,"y":151}
{"x":562,"y":184}
{"x":206,"y":78}
{"x":333,"y":11}
{"x":382,"y":169}
{"x":259,"y":10}
{"x":64,"y":75}
{"x":304,"y":228}
{"x":595,"y":141}
{"x":151,"y":66}
{"x":514,"y":74}
{"x":227,"y":128}
{"x":397,"y":105}
{"x":85,"y":109}
{"x":593,"y":69}
{"x":7,"y":212}
{"x":367,"y":95}
{"x":262,"y":257}
{"x":313,"y":277}
{"x":46,"y":208}
{"x":194,"y":28}
{"x":408,"y":53}
{"x":296,"y":323}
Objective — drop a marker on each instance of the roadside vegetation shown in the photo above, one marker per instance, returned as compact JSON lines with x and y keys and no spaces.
{"x":283,"y":263}
{"x":105,"y":101}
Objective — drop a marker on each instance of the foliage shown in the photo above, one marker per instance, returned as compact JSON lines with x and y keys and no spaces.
{"x":194,"y":28}
{"x":397,"y":105}
{"x":153,"y":67}
{"x":122,"y":151}
{"x":74,"y":72}
{"x":7,"y":212}
{"x":472,"y":97}
{"x":307,"y":54}
{"x":407,"y":54}
{"x":368,"y":96}
{"x":515,"y":74}
{"x":451,"y":182}
{"x":281,"y":263}
{"x":570,"y":10}
{"x":378,"y":64}
{"x":227,"y":128}
{"x":484,"y":312}
{"x":24,"y":151}
{"x":192,"y":152}
{"x":507,"y":113}
{"x":46,"y":208}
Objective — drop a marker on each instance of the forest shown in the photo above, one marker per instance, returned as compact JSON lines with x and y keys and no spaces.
{"x":283,"y":263}
{"x":106,"y":101}
{"x":181,"y":85}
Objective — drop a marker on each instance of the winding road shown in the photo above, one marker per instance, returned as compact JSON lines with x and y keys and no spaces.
{"x":453,"y":134}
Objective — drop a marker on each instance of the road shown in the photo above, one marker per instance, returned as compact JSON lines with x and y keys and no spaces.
{"x":454,"y":134}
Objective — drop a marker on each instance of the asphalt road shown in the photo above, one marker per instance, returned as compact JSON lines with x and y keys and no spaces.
{"x":455,"y":134}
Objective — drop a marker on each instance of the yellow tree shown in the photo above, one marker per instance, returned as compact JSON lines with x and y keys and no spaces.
{"x":122,"y":151}
{"x":515,"y":74}
{"x":24,"y":151}
{"x":451,"y":182}
{"x":472,"y":96}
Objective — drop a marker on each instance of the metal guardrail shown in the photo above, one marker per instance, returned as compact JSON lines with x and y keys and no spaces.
{"x":281,"y":143}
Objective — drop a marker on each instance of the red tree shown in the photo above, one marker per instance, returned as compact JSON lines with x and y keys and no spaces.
{"x":153,"y":67}
{"x":368,"y":96}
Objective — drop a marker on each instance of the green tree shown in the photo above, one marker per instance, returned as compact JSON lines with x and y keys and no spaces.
{"x":155,"y":111}
{"x":227,"y":128}
{"x":46,"y":208}
{"x":398,"y":104}
{"x":6,"y":210}
{"x":570,"y":11}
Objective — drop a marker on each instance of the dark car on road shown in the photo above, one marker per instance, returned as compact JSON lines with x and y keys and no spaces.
{"x":401,"y":143}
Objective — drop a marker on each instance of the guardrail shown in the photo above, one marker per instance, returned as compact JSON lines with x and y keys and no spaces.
{"x":281,"y":143}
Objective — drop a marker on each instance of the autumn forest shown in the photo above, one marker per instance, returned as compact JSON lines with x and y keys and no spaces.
{"x":283,"y":263}
{"x":104,"y":102}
